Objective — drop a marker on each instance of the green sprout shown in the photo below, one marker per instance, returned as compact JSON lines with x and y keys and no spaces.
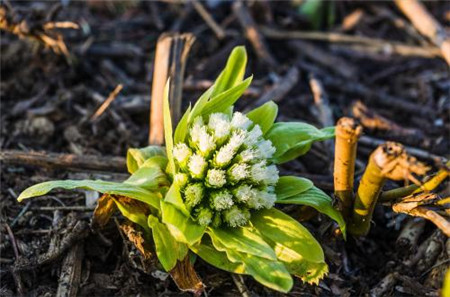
{"x":212,"y":190}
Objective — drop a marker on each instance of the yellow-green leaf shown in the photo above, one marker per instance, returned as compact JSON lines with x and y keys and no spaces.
{"x":288,"y":186}
{"x":293,"y":244}
{"x":168,"y":129}
{"x":242,"y":239}
{"x":233,"y":73}
{"x":182,"y":227}
{"x":136,"y":157}
{"x":294,"y":139}
{"x":173,"y":196}
{"x":149,"y":178}
{"x":264,"y":116}
{"x":168,"y":249}
{"x":126,"y":190}
{"x":319,"y":200}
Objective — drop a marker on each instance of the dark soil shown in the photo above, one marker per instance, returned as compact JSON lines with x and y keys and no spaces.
{"x":47,"y":100}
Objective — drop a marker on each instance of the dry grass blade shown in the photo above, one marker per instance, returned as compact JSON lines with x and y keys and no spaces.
{"x":107,"y":102}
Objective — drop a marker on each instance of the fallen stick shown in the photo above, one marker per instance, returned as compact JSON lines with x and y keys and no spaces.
{"x":209,"y":20}
{"x":379,"y":44}
{"x":107,"y":102}
{"x":70,"y":276}
{"x":373,"y":142}
{"x":426,"y":24}
{"x":277,"y":92}
{"x":335,"y":63}
{"x":252,"y":33}
{"x":65,"y":161}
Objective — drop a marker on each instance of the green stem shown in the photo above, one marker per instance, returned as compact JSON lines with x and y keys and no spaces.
{"x":366,"y":198}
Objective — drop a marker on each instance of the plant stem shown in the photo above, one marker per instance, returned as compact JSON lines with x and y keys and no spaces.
{"x":366,"y":197}
{"x":171,"y":55}
{"x":428,"y":186}
{"x":388,"y":161}
{"x":347,"y":134}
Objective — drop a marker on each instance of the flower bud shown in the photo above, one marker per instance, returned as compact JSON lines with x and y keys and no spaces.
{"x":225,"y":170}
{"x":236,"y":217}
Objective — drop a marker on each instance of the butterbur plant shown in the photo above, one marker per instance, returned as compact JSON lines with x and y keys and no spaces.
{"x":213,"y":189}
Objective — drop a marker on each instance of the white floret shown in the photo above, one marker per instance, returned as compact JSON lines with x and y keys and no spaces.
{"x":197,"y":165}
{"x":220,"y":125}
{"x":236,"y":217}
{"x":253,"y":136}
{"x":258,"y":171}
{"x":267,"y":200}
{"x":216,"y":178}
{"x":249,"y":155}
{"x":224,"y":155}
{"x":222,"y":200}
{"x":181,"y":179}
{"x":239,"y":171}
{"x":205,"y":141}
{"x":240,"y":121}
{"x":196,"y":129}
{"x":272,"y":175}
{"x":204,"y":216}
{"x":266,"y":149}
{"x":181,"y":153}
{"x":246,"y":194}
{"x":237,"y":139}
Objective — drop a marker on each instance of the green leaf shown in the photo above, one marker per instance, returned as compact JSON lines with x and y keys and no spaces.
{"x":182,"y":127}
{"x":149,"y":178}
{"x":242,"y":239}
{"x":293,"y":244}
{"x":126,"y":190}
{"x":183,"y":228}
{"x":156,"y":161}
{"x":208,"y":253}
{"x":168,"y":129}
{"x":294,"y":139}
{"x":224,"y":100}
{"x":271,"y":273}
{"x":133,"y":212}
{"x":288,"y":186}
{"x":173,"y":196}
{"x":200,"y":104}
{"x":264,"y":116}
{"x":168,"y":249}
{"x":233,"y":73}
{"x":317,"y":199}
{"x":137,"y":156}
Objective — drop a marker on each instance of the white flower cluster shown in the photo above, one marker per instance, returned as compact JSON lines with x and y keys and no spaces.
{"x":223,"y":170}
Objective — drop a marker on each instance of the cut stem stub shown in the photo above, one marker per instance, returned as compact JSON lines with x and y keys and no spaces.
{"x":388,"y":161}
{"x":347,"y":134}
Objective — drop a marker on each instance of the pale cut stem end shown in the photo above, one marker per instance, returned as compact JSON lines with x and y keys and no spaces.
{"x":347,"y":135}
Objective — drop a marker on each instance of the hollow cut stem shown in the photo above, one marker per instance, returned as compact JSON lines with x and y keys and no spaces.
{"x":389,"y":160}
{"x":347,"y":134}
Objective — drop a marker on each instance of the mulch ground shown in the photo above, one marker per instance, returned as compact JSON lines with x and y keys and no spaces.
{"x":48,"y":99}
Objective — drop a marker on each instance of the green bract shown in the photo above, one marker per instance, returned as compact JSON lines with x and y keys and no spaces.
{"x":213,"y":188}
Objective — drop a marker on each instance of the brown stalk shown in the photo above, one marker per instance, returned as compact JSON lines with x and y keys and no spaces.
{"x":170,"y":60}
{"x":426,"y":24}
{"x":415,"y":206}
{"x":252,"y":33}
{"x":347,"y":134}
{"x":388,"y":161}
{"x":107,"y":102}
